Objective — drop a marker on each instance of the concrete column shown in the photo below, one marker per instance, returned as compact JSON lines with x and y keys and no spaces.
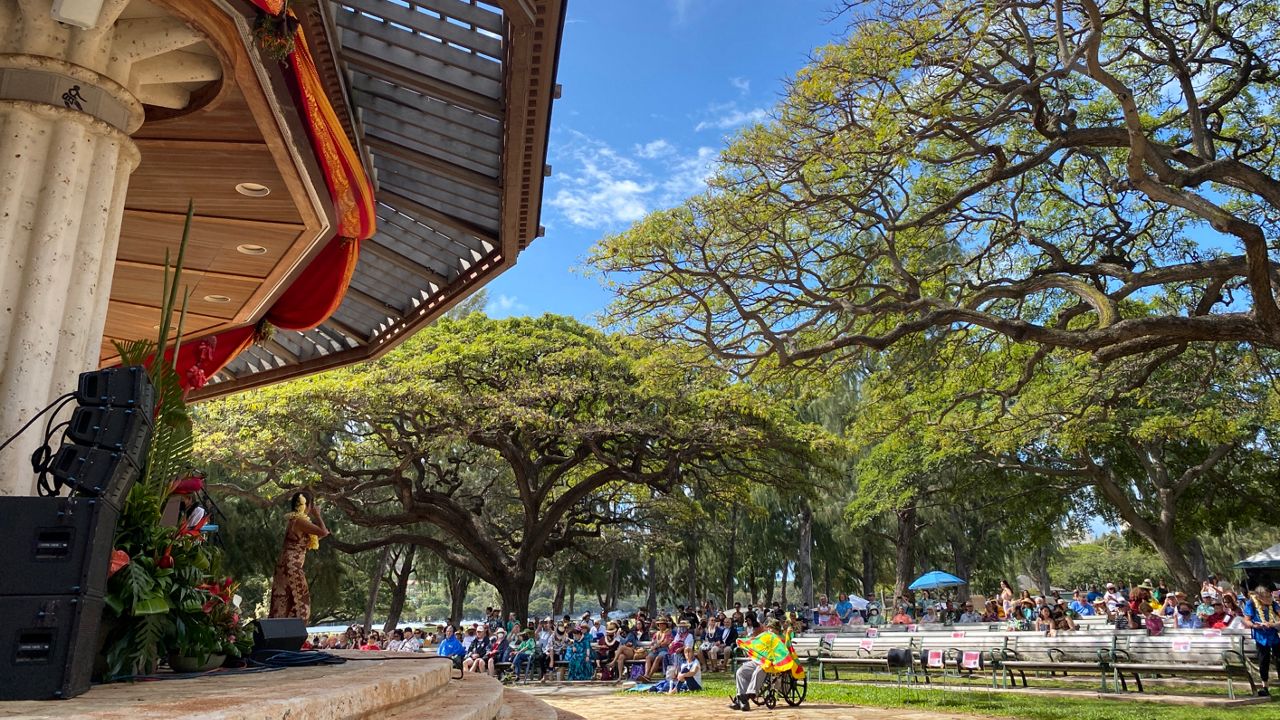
{"x":65,"y":159}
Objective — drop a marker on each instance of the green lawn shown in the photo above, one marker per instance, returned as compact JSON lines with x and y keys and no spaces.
{"x":1008,"y":705}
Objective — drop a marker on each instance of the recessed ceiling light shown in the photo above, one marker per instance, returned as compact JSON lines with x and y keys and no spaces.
{"x":217,"y":298}
{"x":252,"y":189}
{"x":251,"y":249}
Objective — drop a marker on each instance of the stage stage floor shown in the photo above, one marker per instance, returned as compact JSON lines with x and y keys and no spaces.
{"x":366,"y":686}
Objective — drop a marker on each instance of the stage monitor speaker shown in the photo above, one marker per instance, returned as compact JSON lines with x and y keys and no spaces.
{"x":55,"y":545}
{"x":47,"y":645}
{"x":95,"y":472}
{"x":279,"y":634}
{"x":126,"y":387}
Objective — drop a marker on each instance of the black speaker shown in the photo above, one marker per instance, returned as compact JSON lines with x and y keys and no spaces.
{"x":47,"y":644}
{"x":55,"y":545}
{"x":95,"y":472}
{"x":899,"y":658}
{"x":125,"y":387}
{"x":279,"y":634}
{"x":122,"y":430}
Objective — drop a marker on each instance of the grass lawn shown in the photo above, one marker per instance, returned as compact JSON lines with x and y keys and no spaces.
{"x":1008,"y":705}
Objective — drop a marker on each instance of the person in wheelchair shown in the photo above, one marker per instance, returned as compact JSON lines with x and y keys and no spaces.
{"x":768,"y":653}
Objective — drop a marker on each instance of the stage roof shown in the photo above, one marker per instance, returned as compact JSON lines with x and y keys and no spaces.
{"x":449,"y":103}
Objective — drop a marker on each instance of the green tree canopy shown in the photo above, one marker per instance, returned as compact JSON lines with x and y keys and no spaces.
{"x":496,"y":444}
{"x":1096,"y":177}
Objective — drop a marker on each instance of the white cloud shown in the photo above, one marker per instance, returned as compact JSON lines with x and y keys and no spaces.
{"x":689,"y":176}
{"x":742,"y":84}
{"x":680,"y":11}
{"x":732,"y":118}
{"x":504,"y":305}
{"x":657,"y":148}
{"x":595,"y":186}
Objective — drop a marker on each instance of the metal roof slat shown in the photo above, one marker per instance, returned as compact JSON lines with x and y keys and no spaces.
{"x":434,"y":218}
{"x":389,"y":255}
{"x":404,"y":49}
{"x":472,"y":14}
{"x":422,"y":22}
{"x":408,"y":188}
{"x":406,"y":36}
{"x":425,"y":244}
{"x":449,"y":112}
{"x":438,"y":235}
{"x":428,"y":142}
{"x":451,"y":130}
{"x":459,"y":193}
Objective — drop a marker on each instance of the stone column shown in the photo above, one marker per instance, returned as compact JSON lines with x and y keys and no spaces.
{"x":65,"y":159}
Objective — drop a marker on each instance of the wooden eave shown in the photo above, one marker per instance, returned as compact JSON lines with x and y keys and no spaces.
{"x":449,"y":103}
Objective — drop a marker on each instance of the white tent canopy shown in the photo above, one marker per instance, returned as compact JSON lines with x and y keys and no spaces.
{"x":1269,"y":558}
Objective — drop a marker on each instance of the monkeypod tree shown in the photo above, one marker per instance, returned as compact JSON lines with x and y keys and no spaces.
{"x":1097,"y":177}
{"x":496,"y":444}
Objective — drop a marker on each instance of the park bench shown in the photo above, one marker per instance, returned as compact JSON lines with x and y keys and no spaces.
{"x":960,"y":653}
{"x":1185,"y":653}
{"x":835,"y":652}
{"x":1065,"y":653}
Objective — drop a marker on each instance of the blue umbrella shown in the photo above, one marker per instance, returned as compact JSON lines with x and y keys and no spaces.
{"x":936,"y":579}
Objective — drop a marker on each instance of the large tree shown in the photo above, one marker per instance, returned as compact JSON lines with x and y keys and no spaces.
{"x":496,"y":444}
{"x":1093,"y":176}
{"x":1167,"y":446}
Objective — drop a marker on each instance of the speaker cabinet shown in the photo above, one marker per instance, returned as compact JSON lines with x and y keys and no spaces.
{"x":121,"y":430}
{"x":47,"y":644}
{"x":55,"y":545}
{"x":95,"y":472}
{"x":279,"y":634}
{"x":125,"y":387}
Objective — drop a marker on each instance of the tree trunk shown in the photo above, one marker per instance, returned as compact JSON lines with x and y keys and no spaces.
{"x":731,"y":557}
{"x":786,"y":572}
{"x":1195,"y":554}
{"x":691,"y":572}
{"x":826,"y":579}
{"x":770,"y":580}
{"x":557,"y":600}
{"x":373,"y":588}
{"x":868,"y":570}
{"x":904,"y":568}
{"x":1039,"y":567}
{"x":804,"y":558}
{"x":514,"y":592}
{"x":402,"y":587}
{"x":651,"y":573}
{"x":458,"y":581}
{"x":1167,"y":548}
{"x":962,"y":558}
{"x":573,"y":596}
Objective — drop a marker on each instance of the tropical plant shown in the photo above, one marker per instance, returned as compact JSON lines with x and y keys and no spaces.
{"x":165,"y":596}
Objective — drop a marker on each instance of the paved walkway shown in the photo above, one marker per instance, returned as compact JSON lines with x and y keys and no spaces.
{"x":602,"y":704}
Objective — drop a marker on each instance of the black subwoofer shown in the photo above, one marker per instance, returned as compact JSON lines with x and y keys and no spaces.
{"x":279,"y":634}
{"x":47,"y":644}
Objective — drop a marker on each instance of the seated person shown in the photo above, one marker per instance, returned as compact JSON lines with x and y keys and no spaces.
{"x":967,"y":614}
{"x":522,"y":655}
{"x":901,"y":617}
{"x":685,"y":676}
{"x":655,"y":659}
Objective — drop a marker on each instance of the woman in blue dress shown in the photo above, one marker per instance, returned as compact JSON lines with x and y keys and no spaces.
{"x":578,"y":656}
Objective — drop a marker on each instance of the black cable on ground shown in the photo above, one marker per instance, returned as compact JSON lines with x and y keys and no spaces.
{"x":287,"y":659}
{"x":191,"y":675}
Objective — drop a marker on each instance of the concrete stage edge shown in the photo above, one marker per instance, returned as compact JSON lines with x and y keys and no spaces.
{"x":399,"y":686}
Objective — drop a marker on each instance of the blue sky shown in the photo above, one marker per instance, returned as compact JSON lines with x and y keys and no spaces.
{"x":652,"y":91}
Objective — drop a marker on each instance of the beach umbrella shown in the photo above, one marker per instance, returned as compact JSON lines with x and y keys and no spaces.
{"x":935,"y":579}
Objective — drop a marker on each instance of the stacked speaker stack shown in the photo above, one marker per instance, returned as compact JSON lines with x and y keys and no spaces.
{"x":55,"y":550}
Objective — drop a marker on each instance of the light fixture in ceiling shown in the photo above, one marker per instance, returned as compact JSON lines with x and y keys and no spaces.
{"x":252,"y":189}
{"x":249,"y":249}
{"x":217,"y":299}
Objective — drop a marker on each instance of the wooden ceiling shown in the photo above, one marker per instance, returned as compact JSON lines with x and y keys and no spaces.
{"x":234,"y":135}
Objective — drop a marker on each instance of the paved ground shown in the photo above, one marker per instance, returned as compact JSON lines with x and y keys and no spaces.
{"x":599,"y":703}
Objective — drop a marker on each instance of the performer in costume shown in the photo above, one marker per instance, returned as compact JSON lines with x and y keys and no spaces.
{"x":1262,"y":617}
{"x":290,"y":596}
{"x":768,"y":651}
